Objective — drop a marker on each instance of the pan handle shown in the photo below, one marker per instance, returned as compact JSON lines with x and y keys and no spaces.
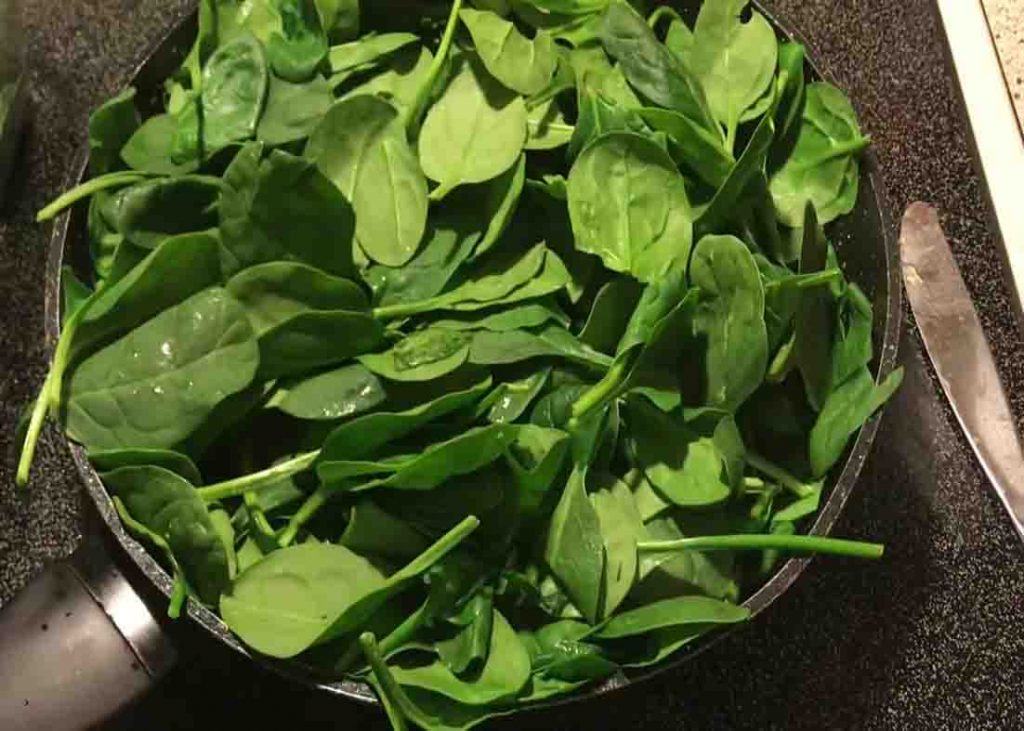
{"x":77,"y":645}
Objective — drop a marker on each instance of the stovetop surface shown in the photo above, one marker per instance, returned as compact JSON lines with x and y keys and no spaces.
{"x":930,"y":637}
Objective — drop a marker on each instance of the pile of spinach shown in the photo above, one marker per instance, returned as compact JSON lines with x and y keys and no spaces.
{"x":483,"y":354}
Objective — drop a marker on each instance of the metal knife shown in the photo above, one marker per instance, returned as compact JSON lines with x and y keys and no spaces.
{"x":961,"y":356}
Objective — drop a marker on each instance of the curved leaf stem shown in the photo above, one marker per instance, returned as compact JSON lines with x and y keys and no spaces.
{"x":88,"y":188}
{"x":601,"y":392}
{"x":662,"y":11}
{"x":781,"y":476}
{"x":50,"y":394}
{"x":256,"y":480}
{"x":306,"y":511}
{"x":758,"y":542}
{"x":411,"y":120}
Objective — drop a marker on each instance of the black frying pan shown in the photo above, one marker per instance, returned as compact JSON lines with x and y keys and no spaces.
{"x":103,"y":646}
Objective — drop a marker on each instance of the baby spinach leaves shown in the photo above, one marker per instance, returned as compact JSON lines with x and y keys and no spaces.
{"x":111,"y":125}
{"x":574,"y":550}
{"x":361,"y":147}
{"x":166,"y":504}
{"x":730,"y":319}
{"x":822,"y":168}
{"x":283,"y":208}
{"x":474,"y":132}
{"x":734,"y":60}
{"x":651,"y":68}
{"x":523,"y":65}
{"x":234,"y":90}
{"x":155,"y":385}
{"x":569,"y":387}
{"x":605,"y":184}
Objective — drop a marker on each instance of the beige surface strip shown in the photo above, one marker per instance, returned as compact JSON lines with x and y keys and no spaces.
{"x":1006,"y":19}
{"x":997,"y":132}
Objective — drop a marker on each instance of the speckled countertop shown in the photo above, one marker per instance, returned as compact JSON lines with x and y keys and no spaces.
{"x":931,"y":637}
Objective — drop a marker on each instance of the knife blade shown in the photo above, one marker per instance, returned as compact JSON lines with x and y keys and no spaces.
{"x":961,"y":356}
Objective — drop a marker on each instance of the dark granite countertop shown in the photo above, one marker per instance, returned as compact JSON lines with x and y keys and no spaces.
{"x":930,"y":637}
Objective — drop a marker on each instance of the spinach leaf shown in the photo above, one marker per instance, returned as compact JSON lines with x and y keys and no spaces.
{"x":822,"y":168}
{"x":791,"y":64}
{"x":73,"y":293}
{"x":155,"y":385}
{"x":746,"y":173}
{"x":678,"y":612}
{"x":149,"y":149}
{"x":402,"y":80}
{"x":335,"y":394}
{"x":298,"y":48}
{"x":339,"y":18}
{"x":569,"y":7}
{"x":497,"y":348}
{"x":303,"y":317}
{"x":111,"y":125}
{"x":523,"y":65}
{"x":730,"y":319}
{"x":812,"y":335}
{"x":283,"y":208}
{"x":610,"y":314}
{"x":315,"y":339}
{"x":367,"y":50}
{"x":845,"y":411}
{"x":475,"y":131}
{"x":592,"y":69}
{"x":530,"y":315}
{"x":108,"y":460}
{"x":149,"y":288}
{"x":470,"y":647}
{"x":546,"y":127}
{"x":235,"y":82}
{"x":734,"y":60}
{"x":501,"y":280}
{"x":282,"y":604}
{"x":169,"y":506}
{"x":574,"y":550}
{"x":503,"y":675}
{"x":451,"y":237}
{"x":597,"y":116}
{"x":421,"y":356}
{"x":651,"y":68}
{"x":686,"y":469}
{"x":628,"y":205}
{"x":621,"y":529}
{"x":360,"y":146}
{"x":852,"y":347}
{"x":536,"y":458}
{"x":373,"y":531}
{"x":276,"y":292}
{"x":691,"y":145}
{"x":362,"y":435}
{"x":466,"y":453}
{"x":293,"y":111}
{"x":151,"y":211}
{"x":312,"y":592}
{"x":513,"y":398}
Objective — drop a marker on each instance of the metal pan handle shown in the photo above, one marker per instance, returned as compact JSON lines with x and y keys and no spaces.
{"x":77,"y":645}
